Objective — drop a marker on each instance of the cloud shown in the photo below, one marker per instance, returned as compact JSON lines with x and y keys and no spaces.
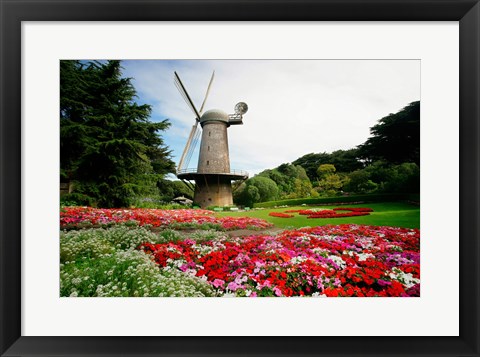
{"x":295,"y":106}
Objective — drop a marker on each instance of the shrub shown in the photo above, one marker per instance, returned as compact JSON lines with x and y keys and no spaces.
{"x":76,"y":199}
{"x":147,"y":202}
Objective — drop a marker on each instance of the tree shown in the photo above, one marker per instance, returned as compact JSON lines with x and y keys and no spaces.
{"x":310,"y":163}
{"x":329,"y":181}
{"x":291,"y":180}
{"x":396,"y":137}
{"x":108,"y":145}
{"x":283,"y":182}
{"x":267,"y":188}
{"x":303,"y":188}
{"x":181,"y":189}
{"x":168,"y":190}
{"x":359,"y":181}
{"x":383,"y":177}
{"x":403,"y":178}
{"x":246,"y":195}
{"x":346,"y":160}
{"x":343,"y":160}
{"x":325,"y":170}
{"x":330,"y":184}
{"x":256,"y":189}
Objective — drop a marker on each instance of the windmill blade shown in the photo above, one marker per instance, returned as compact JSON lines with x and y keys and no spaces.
{"x":208,"y":91}
{"x":192,"y":147}
{"x":187,"y":146}
{"x":183,"y":92}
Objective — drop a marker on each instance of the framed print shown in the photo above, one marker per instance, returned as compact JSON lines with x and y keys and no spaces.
{"x":435,"y":42}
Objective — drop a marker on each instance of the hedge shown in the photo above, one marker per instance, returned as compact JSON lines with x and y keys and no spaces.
{"x":338,"y":199}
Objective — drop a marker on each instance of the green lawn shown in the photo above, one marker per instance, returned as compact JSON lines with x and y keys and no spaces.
{"x":394,"y":214}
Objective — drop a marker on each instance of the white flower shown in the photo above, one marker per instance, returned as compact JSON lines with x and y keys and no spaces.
{"x":338,"y":261}
{"x":406,"y":279}
{"x":297,"y":260}
{"x":364,"y":256}
{"x":76,"y":281}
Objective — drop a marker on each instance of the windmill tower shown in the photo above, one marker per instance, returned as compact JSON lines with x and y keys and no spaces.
{"x":213,"y":176}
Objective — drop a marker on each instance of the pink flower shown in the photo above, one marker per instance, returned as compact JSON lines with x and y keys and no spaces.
{"x":234,"y":286}
{"x":184,"y":267}
{"x":218,"y":283}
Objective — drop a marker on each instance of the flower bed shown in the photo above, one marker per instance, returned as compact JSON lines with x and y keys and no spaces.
{"x":332,"y":213}
{"x":344,"y":260}
{"x":280,"y":215}
{"x":77,"y":217}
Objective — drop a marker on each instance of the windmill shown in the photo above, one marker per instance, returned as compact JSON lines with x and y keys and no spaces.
{"x":213,"y":176}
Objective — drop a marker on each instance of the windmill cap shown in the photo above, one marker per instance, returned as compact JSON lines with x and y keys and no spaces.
{"x":214,"y":115}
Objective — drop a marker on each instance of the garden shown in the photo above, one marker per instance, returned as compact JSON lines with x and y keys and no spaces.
{"x":341,"y":223}
{"x":200,"y":253}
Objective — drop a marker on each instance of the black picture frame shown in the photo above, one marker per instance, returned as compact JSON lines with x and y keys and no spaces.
{"x":13,"y":12}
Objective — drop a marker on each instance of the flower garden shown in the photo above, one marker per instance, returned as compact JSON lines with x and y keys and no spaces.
{"x":82,"y":217}
{"x":115,"y":252}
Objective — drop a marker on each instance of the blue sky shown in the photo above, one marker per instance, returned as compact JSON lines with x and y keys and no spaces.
{"x":296,"y":107}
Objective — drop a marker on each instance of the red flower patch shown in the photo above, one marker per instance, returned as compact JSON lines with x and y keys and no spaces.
{"x":343,"y":260}
{"x":280,"y":215}
{"x":332,"y":213}
{"x":73,"y":217}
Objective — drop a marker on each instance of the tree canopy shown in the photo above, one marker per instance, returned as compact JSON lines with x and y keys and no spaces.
{"x":257,"y":189}
{"x":396,"y":137}
{"x":108,"y":145}
{"x":343,"y":160}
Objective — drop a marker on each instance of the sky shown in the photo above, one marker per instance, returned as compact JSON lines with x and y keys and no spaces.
{"x":296,"y":107}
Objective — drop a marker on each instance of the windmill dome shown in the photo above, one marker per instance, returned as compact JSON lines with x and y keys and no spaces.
{"x":214,"y":115}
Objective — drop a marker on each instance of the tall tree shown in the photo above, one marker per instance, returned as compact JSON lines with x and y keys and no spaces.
{"x":396,"y":137}
{"x":108,"y":145}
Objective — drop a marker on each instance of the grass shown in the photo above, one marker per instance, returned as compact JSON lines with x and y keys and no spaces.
{"x":393,"y":214}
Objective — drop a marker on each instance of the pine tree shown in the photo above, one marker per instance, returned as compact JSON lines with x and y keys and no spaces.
{"x":108,"y":145}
